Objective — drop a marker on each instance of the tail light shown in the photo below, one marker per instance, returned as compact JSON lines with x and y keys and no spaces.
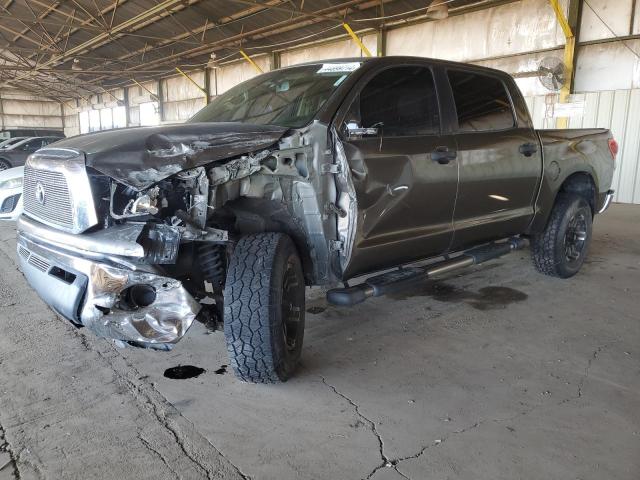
{"x":613,"y":148}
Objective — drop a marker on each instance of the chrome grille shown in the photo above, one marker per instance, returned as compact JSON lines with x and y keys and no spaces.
{"x":24,"y":253}
{"x":33,"y":259}
{"x":57,"y":207}
{"x":39,"y":262}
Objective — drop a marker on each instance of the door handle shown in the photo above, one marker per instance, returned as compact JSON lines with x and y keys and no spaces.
{"x":528,"y":149}
{"x":443,"y":155}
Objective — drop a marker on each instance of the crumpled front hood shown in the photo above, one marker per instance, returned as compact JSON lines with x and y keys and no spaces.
{"x":140,"y":157}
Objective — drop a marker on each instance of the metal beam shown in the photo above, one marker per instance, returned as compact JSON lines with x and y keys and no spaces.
{"x":334,"y":12}
{"x":159,"y":9}
{"x":569,"y":50}
{"x":261,"y":31}
{"x":192,"y":81}
{"x":381,"y":38}
{"x":575,"y":21}
{"x":151,"y":94}
{"x":251,"y":62}
{"x":77,"y":27}
{"x":562,"y":19}
{"x":207,"y":84}
{"x":299,"y":18}
{"x":127,"y":114}
{"x":160,"y":100}
{"x":275,"y":60}
{"x":357,"y":40}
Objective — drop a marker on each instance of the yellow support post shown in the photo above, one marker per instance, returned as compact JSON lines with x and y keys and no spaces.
{"x":569,"y":52}
{"x":356,"y":39}
{"x":250,"y":60}
{"x":153,"y":95}
{"x":192,"y":81}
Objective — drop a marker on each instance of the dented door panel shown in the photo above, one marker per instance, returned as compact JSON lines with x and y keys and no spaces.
{"x":405,"y":200}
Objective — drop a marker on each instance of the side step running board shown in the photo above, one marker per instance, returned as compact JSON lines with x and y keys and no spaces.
{"x":399,"y":279}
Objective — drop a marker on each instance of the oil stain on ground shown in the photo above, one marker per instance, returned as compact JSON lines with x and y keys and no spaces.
{"x":487,"y":298}
{"x":491,"y":298}
{"x":222,"y":370}
{"x":316,"y":310}
{"x":182,"y":372}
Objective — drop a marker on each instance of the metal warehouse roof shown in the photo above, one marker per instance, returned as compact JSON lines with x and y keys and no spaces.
{"x":64,"y":49}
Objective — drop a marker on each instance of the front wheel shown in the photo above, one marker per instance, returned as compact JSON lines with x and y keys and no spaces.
{"x":264,"y":306}
{"x":4,"y":165}
{"x":562,"y":248}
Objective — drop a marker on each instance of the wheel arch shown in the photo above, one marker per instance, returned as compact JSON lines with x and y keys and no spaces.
{"x":581,"y":180}
{"x":581,"y":183}
{"x":257,"y":215}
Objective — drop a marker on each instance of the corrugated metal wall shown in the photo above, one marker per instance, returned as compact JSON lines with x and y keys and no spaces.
{"x":21,"y":109}
{"x":618,"y":110}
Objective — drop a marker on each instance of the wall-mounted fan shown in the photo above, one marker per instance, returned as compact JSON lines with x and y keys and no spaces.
{"x":551,"y":72}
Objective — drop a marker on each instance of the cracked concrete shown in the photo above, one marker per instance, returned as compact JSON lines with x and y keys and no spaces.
{"x":71,"y":407}
{"x":386,"y":462}
{"x":8,"y":468}
{"x":542,"y":381}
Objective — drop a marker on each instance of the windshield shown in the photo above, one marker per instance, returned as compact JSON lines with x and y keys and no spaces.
{"x":11,"y":141}
{"x":289,"y":98}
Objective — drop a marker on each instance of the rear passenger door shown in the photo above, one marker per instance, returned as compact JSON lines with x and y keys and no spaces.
{"x":499,"y":160}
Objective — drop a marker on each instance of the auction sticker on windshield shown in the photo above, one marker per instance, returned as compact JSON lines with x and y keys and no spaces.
{"x":339,"y":67}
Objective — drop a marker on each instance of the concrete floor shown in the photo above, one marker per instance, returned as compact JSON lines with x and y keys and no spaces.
{"x":500,"y":373}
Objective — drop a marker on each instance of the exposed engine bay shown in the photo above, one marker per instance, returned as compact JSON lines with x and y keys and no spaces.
{"x":287,"y":187}
{"x":161,"y":237}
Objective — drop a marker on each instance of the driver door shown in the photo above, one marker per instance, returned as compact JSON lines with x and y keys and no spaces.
{"x":403,"y":167}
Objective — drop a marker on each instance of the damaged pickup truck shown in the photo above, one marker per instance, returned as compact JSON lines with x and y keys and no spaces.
{"x":309,"y":175}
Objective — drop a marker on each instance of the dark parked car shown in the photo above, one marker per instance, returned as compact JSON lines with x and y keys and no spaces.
{"x":15,"y":154}
{"x":10,"y":141}
{"x":309,"y":175}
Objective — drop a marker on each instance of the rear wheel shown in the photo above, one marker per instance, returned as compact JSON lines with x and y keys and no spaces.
{"x":4,"y":165}
{"x":562,"y":248}
{"x":264,"y":308}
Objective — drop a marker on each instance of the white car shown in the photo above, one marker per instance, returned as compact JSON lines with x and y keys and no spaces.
{"x":11,"y":193}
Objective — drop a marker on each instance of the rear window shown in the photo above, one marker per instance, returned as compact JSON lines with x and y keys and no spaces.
{"x":482,"y":102}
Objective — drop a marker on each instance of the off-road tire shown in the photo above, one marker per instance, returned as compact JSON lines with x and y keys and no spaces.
{"x":549,"y":249}
{"x":264,"y":292}
{"x":4,"y":165}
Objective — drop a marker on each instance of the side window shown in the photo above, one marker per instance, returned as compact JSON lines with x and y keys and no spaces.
{"x":34,"y":145}
{"x":399,"y":101}
{"x":482,"y":102}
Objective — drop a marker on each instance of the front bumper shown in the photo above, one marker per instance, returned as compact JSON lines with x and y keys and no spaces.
{"x":11,"y":204}
{"x":605,"y":201}
{"x":92,"y":293}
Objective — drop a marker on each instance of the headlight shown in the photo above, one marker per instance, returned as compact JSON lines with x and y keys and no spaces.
{"x":11,"y":183}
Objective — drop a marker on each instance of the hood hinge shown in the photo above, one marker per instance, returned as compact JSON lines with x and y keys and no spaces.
{"x":336,"y":245}
{"x":333,"y":208}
